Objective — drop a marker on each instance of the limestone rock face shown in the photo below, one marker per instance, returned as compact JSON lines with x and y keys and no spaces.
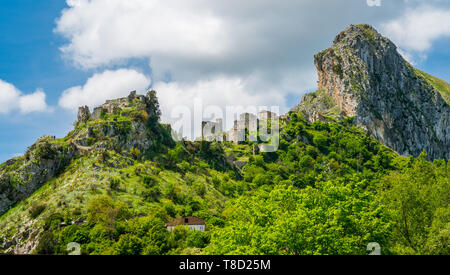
{"x":107,"y":130}
{"x":148,"y":103}
{"x":20,"y":177}
{"x":319,"y":106}
{"x":122,"y":125}
{"x":83,"y":114}
{"x":369,"y":80}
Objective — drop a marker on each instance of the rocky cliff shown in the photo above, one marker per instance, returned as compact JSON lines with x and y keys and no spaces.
{"x":120,"y":124}
{"x":21,"y":176}
{"x":127,"y":125}
{"x":369,"y":80}
{"x":319,"y":106}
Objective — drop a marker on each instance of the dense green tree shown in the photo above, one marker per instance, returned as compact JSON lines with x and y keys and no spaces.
{"x":418,"y":200}
{"x":329,"y":189}
{"x":333,"y":218}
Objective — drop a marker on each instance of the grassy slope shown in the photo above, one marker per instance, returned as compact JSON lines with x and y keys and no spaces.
{"x":322,"y":102}
{"x":91,"y":175}
{"x":309,"y":154}
{"x":441,"y":85}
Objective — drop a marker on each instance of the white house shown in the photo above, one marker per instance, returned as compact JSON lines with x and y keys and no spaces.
{"x":193,"y":223}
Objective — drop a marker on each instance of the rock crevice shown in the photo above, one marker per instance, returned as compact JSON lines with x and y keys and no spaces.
{"x":369,"y":80}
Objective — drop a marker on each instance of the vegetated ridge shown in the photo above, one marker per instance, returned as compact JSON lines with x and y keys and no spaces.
{"x":363,"y":76}
{"x":333,"y":186}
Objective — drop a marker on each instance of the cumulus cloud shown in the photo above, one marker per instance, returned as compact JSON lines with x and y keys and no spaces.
{"x":374,"y":3}
{"x":226,"y":52}
{"x":102,"y":31}
{"x":8,"y":97}
{"x":102,"y":86}
{"x":12,"y":99}
{"x":416,"y":30}
{"x":218,"y":97}
{"x":33,"y":102}
{"x":193,"y":40}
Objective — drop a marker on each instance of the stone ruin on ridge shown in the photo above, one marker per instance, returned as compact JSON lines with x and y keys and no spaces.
{"x":244,"y":129}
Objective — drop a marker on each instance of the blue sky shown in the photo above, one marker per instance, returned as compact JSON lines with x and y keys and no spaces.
{"x":29,"y":58}
{"x":255,"y":52}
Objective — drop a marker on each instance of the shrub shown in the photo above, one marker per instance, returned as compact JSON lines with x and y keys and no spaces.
{"x":73,"y":233}
{"x":128,"y":245}
{"x":136,"y":115}
{"x":46,"y":244}
{"x":320,"y":141}
{"x":197,"y":239}
{"x":312,"y":151}
{"x":215,"y":221}
{"x":306,"y":161}
{"x":114,"y":183}
{"x":103,"y":210}
{"x":174,"y":192}
{"x":200,"y":188}
{"x":135,"y":152}
{"x":44,"y":150}
{"x":36,"y":210}
{"x":52,"y":222}
{"x":337,"y":69}
{"x":90,"y":141}
{"x":149,"y":181}
{"x":169,"y":207}
{"x":151,"y":249}
{"x":152,"y":194}
{"x":259,"y":161}
{"x":262,"y":179}
{"x":216,"y":181}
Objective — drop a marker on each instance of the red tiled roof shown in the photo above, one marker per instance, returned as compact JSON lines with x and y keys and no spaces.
{"x":186,"y":221}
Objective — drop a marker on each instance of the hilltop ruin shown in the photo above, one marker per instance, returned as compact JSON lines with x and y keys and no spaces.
{"x":245,"y":129}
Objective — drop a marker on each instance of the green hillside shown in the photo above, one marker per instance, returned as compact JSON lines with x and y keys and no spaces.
{"x":329,"y":189}
{"x":441,"y":85}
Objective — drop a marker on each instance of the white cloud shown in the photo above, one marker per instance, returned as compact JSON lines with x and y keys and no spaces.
{"x":102,"y":86}
{"x":8,"y":97}
{"x":196,"y":40}
{"x":33,"y":102}
{"x":13,"y":99}
{"x":102,"y":31}
{"x":253,"y":48}
{"x":374,"y":3}
{"x":220,"y":91}
{"x":217,"y":93}
{"x":416,"y":30}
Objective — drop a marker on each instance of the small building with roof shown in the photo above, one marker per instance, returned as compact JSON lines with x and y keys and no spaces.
{"x":193,"y":223}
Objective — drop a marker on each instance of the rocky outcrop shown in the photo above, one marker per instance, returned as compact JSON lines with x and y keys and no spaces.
{"x":126,"y":125}
{"x":83,"y":114}
{"x":318,"y":106}
{"x":24,"y":241}
{"x":120,"y":124}
{"x":369,"y":80}
{"x":22,"y":176}
{"x":115,"y":106}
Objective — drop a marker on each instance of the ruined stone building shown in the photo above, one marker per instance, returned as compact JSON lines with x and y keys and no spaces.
{"x":212,"y":131}
{"x":244,"y":129}
{"x":266,"y":115}
{"x":111,"y":107}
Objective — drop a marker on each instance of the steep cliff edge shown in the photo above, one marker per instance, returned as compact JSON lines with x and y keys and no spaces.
{"x":22,"y":176}
{"x":369,"y":80}
{"x":127,"y":126}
